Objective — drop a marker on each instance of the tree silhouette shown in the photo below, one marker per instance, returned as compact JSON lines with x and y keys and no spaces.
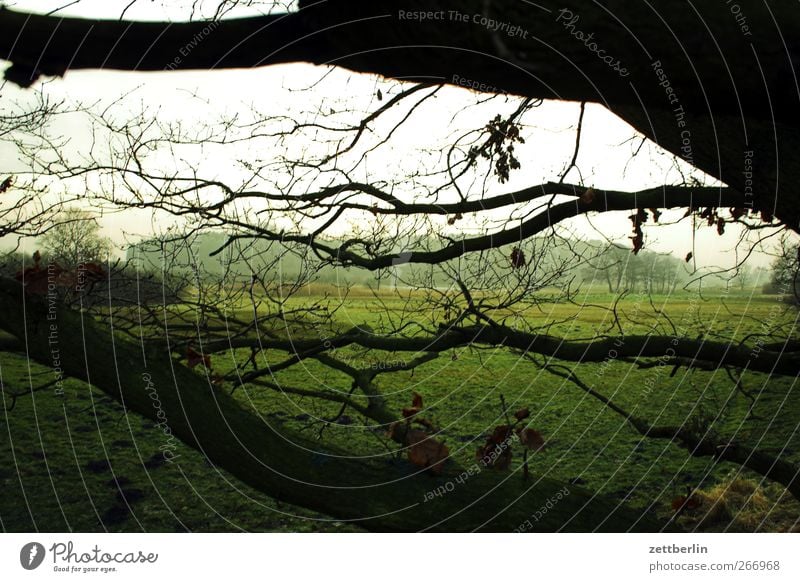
{"x":471,"y":288}
{"x":75,"y":239}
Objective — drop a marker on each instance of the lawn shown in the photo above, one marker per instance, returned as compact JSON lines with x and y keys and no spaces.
{"x":77,"y":462}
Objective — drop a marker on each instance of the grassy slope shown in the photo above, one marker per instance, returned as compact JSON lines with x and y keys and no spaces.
{"x":47,"y":439}
{"x":77,"y":463}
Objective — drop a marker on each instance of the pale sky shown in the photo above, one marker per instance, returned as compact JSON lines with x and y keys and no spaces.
{"x":605,"y":156}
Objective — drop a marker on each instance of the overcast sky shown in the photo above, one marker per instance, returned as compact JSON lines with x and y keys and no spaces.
{"x":605,"y":157}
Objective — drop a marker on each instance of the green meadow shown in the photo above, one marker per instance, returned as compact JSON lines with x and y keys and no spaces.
{"x":77,"y":462}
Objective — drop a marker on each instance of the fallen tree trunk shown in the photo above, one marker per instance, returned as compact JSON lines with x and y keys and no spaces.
{"x":377,"y":495}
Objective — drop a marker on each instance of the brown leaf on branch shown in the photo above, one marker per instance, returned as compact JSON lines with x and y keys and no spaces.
{"x":394,"y":430}
{"x":656,"y":214}
{"x":500,"y":435}
{"x":452,"y":220}
{"x":588,"y":196}
{"x":682,"y":502}
{"x":638,"y":242}
{"x":637,"y":239}
{"x":427,"y":452}
{"x":517,"y":258}
{"x":416,"y":406}
{"x":531,"y":438}
{"x":496,"y":453}
{"x":39,"y":281}
{"x":688,"y":257}
{"x":494,"y":456}
{"x":522,"y":413}
{"x":6,"y":185}
{"x":194,"y":358}
{"x":34,"y":279}
{"x":639,"y":218}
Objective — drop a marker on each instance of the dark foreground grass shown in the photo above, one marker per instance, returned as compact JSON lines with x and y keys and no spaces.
{"x":77,"y":463}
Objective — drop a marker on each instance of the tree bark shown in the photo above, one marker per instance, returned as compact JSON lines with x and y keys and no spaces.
{"x":700,"y":443}
{"x":706,"y":83}
{"x":381,"y":496}
{"x":713,"y":353}
{"x":602,"y":201}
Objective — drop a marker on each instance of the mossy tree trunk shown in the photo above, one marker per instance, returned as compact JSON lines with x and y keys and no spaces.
{"x":377,"y":495}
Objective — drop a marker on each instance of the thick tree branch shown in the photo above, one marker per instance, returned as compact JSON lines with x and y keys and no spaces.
{"x":377,"y":38}
{"x":699,"y":444}
{"x":601,"y":201}
{"x":736,"y":90}
{"x":705,"y":353}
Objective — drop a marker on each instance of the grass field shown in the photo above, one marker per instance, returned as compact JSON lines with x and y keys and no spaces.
{"x":77,"y":462}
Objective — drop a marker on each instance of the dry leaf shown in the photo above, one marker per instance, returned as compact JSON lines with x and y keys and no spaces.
{"x":683,"y":502}
{"x":494,"y":457}
{"x":517,"y":258}
{"x":522,"y":413}
{"x":500,"y":435}
{"x":426,"y":452}
{"x":531,"y":438}
{"x":194,"y":358}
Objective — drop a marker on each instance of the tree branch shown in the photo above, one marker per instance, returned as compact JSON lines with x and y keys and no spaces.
{"x":283,"y":463}
{"x":699,"y":445}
